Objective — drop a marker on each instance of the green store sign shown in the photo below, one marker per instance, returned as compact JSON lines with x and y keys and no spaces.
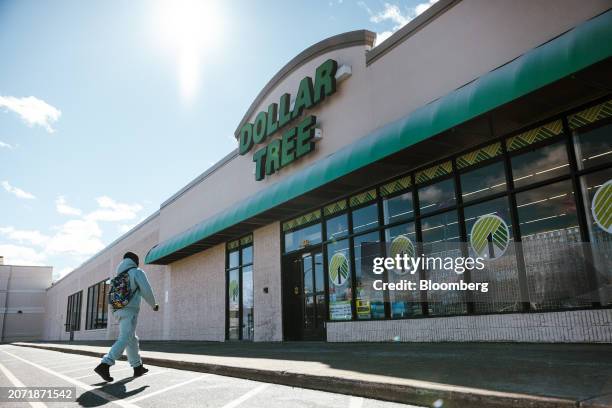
{"x":296,"y":141}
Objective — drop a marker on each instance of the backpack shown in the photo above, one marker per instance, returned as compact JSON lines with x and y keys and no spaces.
{"x":120,"y":293}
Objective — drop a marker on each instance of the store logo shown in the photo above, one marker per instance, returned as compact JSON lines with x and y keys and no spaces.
{"x":601,"y":208}
{"x":296,"y":141}
{"x":338,"y":269}
{"x":402,"y":245}
{"x":233,"y":290}
{"x":490,"y":236}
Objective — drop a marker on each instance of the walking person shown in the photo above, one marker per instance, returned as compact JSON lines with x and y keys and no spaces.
{"x":129,"y":285}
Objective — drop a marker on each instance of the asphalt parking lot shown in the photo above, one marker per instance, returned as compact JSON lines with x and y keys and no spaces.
{"x":161,"y":387}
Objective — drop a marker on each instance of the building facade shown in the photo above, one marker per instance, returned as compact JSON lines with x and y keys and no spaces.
{"x":479,"y":125}
{"x":22,"y":299}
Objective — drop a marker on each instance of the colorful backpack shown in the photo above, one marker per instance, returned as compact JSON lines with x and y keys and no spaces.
{"x":120,"y":293}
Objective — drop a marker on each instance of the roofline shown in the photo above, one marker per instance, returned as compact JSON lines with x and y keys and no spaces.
{"x":344,"y":40}
{"x":410,"y":29}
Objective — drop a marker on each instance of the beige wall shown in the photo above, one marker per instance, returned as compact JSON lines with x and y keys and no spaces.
{"x":468,"y":40}
{"x":22,"y":301}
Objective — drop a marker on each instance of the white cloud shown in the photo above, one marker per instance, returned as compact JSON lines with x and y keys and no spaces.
{"x":17,"y":192}
{"x":4,"y":145}
{"x":21,"y":255}
{"x":63,"y":208}
{"x":32,"y":110}
{"x":59,"y":274}
{"x":33,"y":237}
{"x":111,"y":210}
{"x":77,"y":237}
{"x":392,"y":13}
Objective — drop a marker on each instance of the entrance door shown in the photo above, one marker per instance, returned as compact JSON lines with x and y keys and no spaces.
{"x":304,"y":306}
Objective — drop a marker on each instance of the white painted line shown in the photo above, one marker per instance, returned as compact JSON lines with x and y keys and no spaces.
{"x":77,"y":383}
{"x":246,"y":396}
{"x":89,"y":375}
{"x":74,"y":363}
{"x":355,"y":402}
{"x":15,"y":381}
{"x":149,"y":374}
{"x":151,"y":394}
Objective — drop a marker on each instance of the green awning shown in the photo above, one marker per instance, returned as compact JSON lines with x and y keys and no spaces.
{"x":584,"y":45}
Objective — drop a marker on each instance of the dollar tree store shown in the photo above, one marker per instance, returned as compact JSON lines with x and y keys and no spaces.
{"x":474,"y":109}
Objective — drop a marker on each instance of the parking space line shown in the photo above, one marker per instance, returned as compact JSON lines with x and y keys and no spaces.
{"x":78,"y":383}
{"x":355,"y":402}
{"x":151,"y":394}
{"x":246,"y":396}
{"x":89,"y":375}
{"x":15,"y":381}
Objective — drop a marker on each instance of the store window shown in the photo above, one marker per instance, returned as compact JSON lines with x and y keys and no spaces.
{"x":240,"y":310}
{"x":540,"y":164}
{"x":483,"y":181}
{"x":365,"y":218}
{"x":73,"y":312}
{"x":597,"y":191}
{"x":340,"y":281}
{"x":493,"y":240}
{"x":399,"y":208}
{"x":437,"y":196}
{"x":594,"y":147}
{"x":401,"y":239}
{"x":369,"y":303}
{"x":337,"y":227}
{"x":441,"y":238}
{"x":556,"y":276}
{"x":97,"y":310}
{"x":303,"y":237}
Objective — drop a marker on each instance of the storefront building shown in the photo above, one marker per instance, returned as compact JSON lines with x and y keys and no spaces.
{"x":475,"y":110}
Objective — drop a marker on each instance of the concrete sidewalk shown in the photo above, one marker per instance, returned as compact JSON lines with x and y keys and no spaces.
{"x":458,"y":374}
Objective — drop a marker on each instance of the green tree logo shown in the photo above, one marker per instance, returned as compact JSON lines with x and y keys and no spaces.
{"x":490,"y":236}
{"x":338,"y":269}
{"x":402,"y":245}
{"x":602,"y":207}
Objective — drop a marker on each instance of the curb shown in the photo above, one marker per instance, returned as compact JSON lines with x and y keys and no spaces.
{"x":451,"y":396}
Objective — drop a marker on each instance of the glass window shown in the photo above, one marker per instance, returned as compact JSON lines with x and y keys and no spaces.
{"x":73,"y":312}
{"x":556,"y":276}
{"x":303,"y":237}
{"x":540,"y":164}
{"x":369,"y":302}
{"x":404,"y":303}
{"x":240,"y":306}
{"x":337,"y":227}
{"x":437,"y":196}
{"x":365,"y":218}
{"x":594,"y":147}
{"x":248,"y":326}
{"x":399,"y":208}
{"x":599,"y":218}
{"x":484,"y":181}
{"x":441,"y":239}
{"x":234,"y":305}
{"x":247,"y":255}
{"x":494,"y":242}
{"x":234,"y":259}
{"x":339,"y":271}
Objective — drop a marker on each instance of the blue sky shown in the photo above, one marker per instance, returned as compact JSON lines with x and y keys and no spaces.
{"x":109,"y":107}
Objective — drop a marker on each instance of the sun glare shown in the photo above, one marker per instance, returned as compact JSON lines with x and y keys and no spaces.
{"x":188,"y":30}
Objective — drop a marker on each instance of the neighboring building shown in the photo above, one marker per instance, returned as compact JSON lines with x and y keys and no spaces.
{"x":474,"y":108}
{"x":22,"y":301}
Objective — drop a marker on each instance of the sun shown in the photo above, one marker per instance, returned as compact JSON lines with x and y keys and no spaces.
{"x":189,"y":30}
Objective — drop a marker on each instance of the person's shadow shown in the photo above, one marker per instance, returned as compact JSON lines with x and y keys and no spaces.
{"x":116,"y":390}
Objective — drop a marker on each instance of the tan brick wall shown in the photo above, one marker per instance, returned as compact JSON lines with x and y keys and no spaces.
{"x":196,"y":299}
{"x":583,"y":326}
{"x":267,"y":273}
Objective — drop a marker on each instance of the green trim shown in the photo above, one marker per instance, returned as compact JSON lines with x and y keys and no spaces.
{"x":480,"y":155}
{"x":584,"y":45}
{"x":334,"y":208}
{"x":590,"y":115}
{"x":395,"y":186}
{"x":301,"y":220}
{"x":535,"y":135}
{"x":363,"y":198}
{"x":433,"y":172}
{"x":233,"y":245}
